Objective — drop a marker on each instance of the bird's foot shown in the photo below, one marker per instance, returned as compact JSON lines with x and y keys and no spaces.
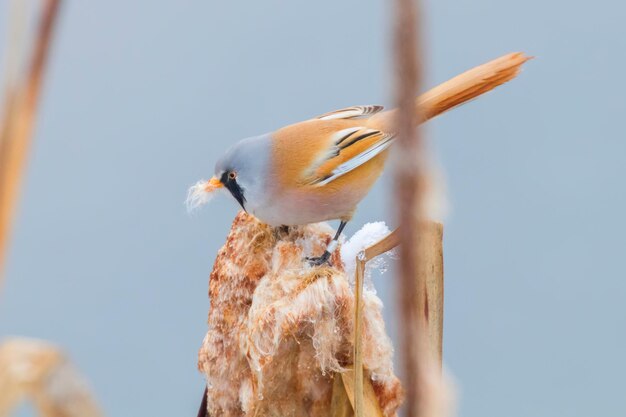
{"x":281,"y":232}
{"x":320,"y":260}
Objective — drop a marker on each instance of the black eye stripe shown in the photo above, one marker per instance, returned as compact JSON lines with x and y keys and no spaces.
{"x":234,"y":188}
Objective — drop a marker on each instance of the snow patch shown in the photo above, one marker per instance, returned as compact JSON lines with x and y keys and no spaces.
{"x":369,"y":234}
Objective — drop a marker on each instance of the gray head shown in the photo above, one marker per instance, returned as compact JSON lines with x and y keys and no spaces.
{"x":243,"y":169}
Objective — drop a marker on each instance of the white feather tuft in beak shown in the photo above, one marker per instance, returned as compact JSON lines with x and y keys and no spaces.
{"x":202,"y":192}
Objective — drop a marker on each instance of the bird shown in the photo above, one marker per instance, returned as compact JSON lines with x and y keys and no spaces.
{"x":321,"y":168}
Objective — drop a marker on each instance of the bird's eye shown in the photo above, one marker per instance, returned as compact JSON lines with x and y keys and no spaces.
{"x":232,"y":175}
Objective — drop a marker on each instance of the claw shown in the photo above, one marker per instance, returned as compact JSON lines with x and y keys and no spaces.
{"x":320,"y":260}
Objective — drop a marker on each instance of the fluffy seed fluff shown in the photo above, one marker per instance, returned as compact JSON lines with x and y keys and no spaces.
{"x":197,"y":196}
{"x":279,"y":332}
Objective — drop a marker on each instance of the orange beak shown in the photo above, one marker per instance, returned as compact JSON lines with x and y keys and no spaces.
{"x":213,"y":184}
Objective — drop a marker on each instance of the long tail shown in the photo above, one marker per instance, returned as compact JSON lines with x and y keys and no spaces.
{"x":459,"y":90}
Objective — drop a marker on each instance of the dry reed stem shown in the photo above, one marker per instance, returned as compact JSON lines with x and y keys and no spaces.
{"x":369,"y":402}
{"x":430,"y":249}
{"x":36,"y":370}
{"x":410,"y":180}
{"x":384,"y":245}
{"x":18,"y":121}
{"x":358,"y":341}
{"x":340,"y":405}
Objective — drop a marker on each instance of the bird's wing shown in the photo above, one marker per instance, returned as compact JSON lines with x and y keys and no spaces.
{"x":347,"y":149}
{"x":351,"y":112}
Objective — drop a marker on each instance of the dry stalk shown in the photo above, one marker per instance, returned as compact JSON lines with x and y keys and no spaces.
{"x":356,"y":387}
{"x":410,"y":180}
{"x":369,"y":406}
{"x":17,"y":125}
{"x":429,"y":251}
{"x":35,"y":370}
{"x":431,"y":268}
{"x":358,"y":341}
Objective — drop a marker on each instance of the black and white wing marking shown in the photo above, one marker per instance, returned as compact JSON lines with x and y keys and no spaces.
{"x":348,"y":149}
{"x":351,"y":112}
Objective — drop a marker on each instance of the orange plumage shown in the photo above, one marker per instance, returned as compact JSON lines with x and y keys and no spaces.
{"x":305,"y":153}
{"x":320,"y":169}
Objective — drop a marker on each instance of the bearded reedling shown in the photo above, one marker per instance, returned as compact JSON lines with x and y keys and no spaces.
{"x":320,"y":169}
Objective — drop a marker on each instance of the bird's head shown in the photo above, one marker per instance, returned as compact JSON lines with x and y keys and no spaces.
{"x":241,"y":170}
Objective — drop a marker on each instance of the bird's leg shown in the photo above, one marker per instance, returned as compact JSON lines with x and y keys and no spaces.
{"x":280,"y":232}
{"x":321,"y":260}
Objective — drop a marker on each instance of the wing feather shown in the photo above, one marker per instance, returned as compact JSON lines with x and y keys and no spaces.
{"x":351,"y":112}
{"x":348,"y":149}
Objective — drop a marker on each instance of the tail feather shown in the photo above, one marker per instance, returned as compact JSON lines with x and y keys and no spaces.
{"x":459,"y":90}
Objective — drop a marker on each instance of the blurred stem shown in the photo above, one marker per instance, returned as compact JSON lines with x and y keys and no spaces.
{"x":37,"y":371}
{"x":410,"y":181}
{"x":17,"y":125}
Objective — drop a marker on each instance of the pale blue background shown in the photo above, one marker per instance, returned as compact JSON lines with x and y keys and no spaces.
{"x":142,"y":96}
